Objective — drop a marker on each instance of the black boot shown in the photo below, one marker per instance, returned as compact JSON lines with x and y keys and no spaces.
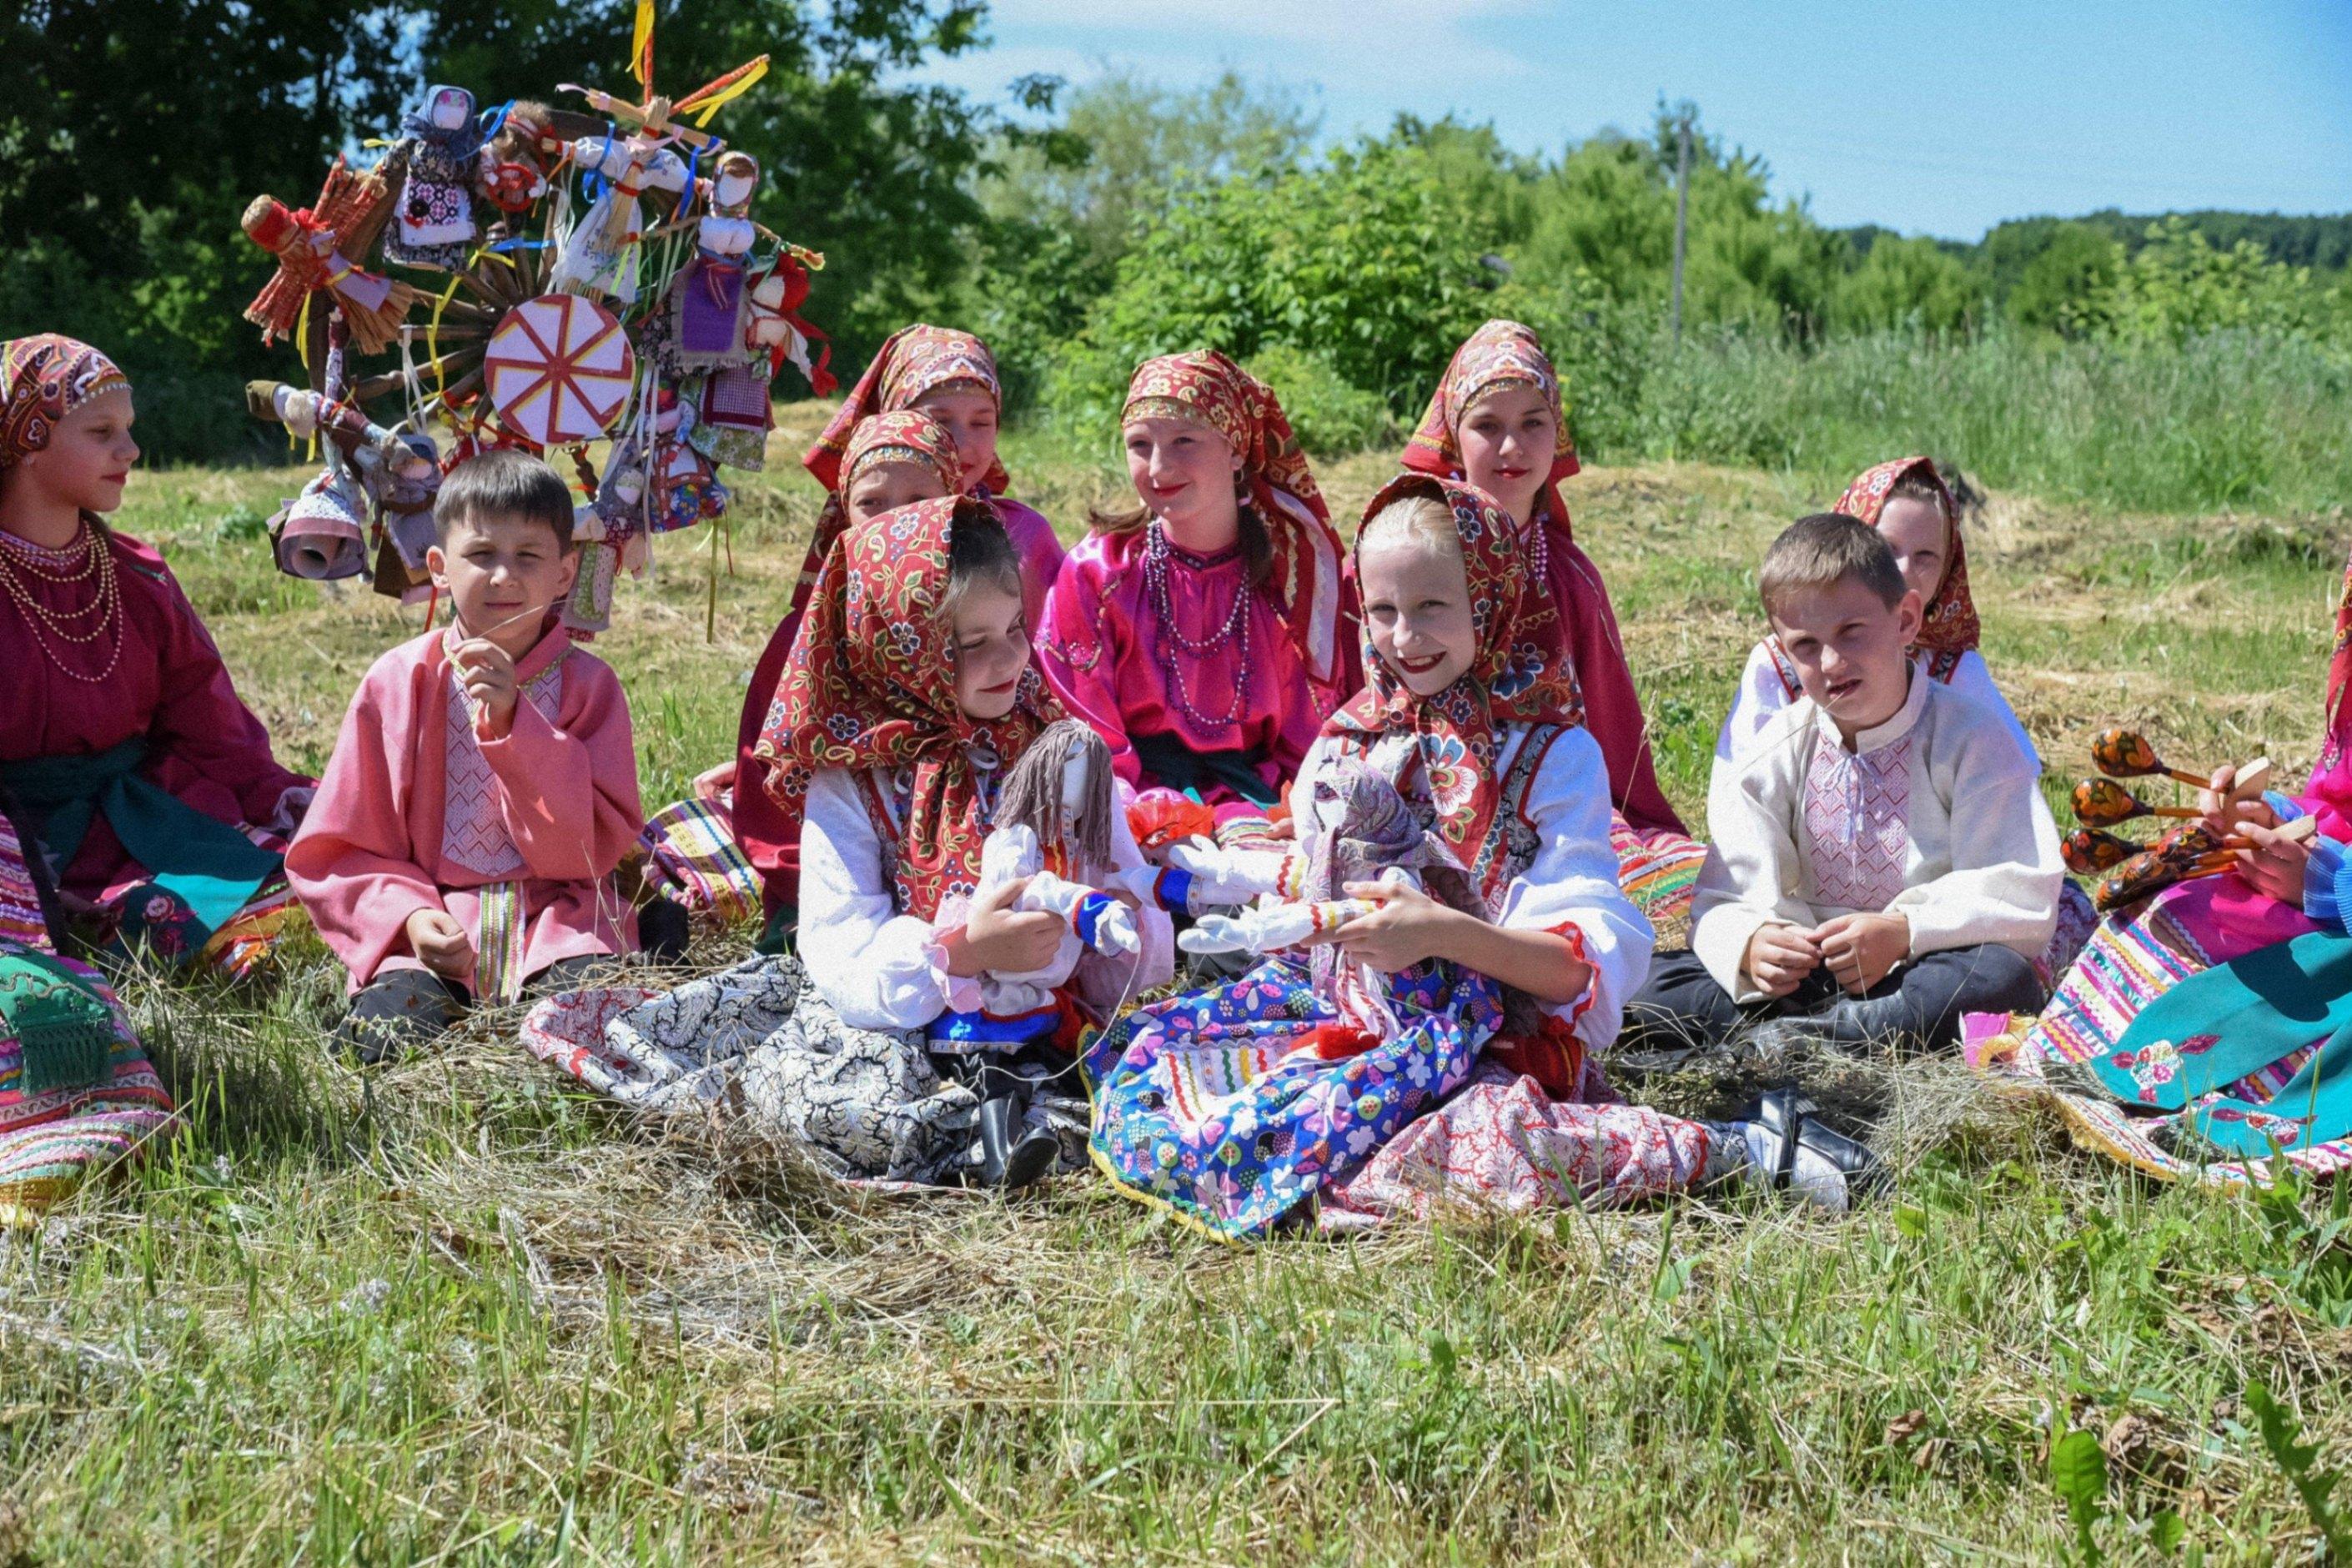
{"x":1008,"y":1158}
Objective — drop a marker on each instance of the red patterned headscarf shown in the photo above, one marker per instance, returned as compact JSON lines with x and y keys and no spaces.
{"x":1521,"y":673}
{"x":916,"y":359}
{"x":1950,"y":624}
{"x":1207,"y":388}
{"x":905,"y":436}
{"x":871,"y":684}
{"x":1500,"y":354}
{"x":43,"y":379}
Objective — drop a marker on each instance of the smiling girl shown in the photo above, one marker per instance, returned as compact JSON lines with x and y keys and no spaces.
{"x":149,"y":784}
{"x":1497,"y":420}
{"x":1207,"y":632}
{"x":908,"y":698}
{"x":890,"y":460}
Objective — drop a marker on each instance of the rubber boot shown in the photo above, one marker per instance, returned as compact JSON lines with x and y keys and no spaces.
{"x":1009,"y":1159}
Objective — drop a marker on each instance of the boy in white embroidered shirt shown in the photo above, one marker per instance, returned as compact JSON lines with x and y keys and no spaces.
{"x":1883,"y":859}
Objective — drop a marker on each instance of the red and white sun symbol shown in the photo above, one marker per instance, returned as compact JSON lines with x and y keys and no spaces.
{"x":558,"y":369}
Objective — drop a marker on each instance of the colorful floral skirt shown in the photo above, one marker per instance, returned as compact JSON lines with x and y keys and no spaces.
{"x":1221,"y":1106}
{"x":52,"y":1139}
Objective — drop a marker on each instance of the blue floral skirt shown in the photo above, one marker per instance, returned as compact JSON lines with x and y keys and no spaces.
{"x":1222,"y":1106}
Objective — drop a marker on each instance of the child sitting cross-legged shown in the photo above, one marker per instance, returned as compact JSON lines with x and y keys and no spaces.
{"x":484,"y":786}
{"x":1883,"y":860}
{"x":1466,"y":944}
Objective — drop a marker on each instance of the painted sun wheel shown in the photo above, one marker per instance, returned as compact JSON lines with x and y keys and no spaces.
{"x":558,"y":369}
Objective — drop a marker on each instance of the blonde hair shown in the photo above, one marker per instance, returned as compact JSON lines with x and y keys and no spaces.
{"x":1422,"y":520}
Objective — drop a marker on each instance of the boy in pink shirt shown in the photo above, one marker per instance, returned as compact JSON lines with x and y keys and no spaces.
{"x":484,"y":786}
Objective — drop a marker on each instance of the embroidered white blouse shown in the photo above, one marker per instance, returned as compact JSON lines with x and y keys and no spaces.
{"x":884,"y":970}
{"x":1937,"y":814}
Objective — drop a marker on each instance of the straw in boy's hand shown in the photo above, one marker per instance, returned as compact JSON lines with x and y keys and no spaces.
{"x":486,"y":671}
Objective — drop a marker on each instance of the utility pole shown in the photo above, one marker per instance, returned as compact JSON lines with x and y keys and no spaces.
{"x":1682,"y":222}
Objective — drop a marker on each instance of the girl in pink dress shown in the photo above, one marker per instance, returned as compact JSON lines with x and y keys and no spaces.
{"x":1496,"y":420}
{"x":151,"y":786}
{"x":1208,"y":633}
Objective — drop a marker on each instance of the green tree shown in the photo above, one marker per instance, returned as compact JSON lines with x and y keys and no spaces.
{"x":1909,"y":282}
{"x":2068,"y":287}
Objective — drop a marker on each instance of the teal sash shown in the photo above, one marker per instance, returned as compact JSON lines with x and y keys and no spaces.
{"x":205,"y":864}
{"x":2232,"y":1021}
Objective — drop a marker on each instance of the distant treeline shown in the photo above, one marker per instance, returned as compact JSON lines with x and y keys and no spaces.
{"x":1082,"y":230}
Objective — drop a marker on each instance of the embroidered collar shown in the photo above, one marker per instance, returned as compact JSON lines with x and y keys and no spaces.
{"x":1906,"y":718}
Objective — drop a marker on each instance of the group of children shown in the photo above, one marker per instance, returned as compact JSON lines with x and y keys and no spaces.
{"x":1392,"y":805}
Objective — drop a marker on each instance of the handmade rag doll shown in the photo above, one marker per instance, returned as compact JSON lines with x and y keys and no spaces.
{"x":610,"y":533}
{"x":1053,"y":823}
{"x":1368,"y":833}
{"x":600,"y":255}
{"x":710,"y":302}
{"x":314,"y":247}
{"x":439,"y":153}
{"x":511,"y":173}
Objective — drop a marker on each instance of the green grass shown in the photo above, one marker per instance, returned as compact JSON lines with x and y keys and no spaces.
{"x":460,"y":1313}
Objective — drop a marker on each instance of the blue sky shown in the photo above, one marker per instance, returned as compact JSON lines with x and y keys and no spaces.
{"x":1930,"y":118}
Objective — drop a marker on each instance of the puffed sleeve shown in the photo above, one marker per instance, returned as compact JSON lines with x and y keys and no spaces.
{"x":1571,"y":889}
{"x":879,"y":968}
{"x":1760,"y":694}
{"x":1078,"y":652}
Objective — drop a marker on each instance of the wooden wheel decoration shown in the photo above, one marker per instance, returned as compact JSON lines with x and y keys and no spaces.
{"x":558,"y":370}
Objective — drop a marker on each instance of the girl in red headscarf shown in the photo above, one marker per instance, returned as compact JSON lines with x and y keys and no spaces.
{"x":151,"y":786}
{"x":950,"y":379}
{"x":1908,"y":502}
{"x":890,"y":460}
{"x":907,"y":700}
{"x":1497,"y":420}
{"x":1208,"y":632}
{"x":1469,"y":942}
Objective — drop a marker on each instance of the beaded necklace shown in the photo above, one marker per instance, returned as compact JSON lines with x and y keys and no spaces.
{"x":1168,"y":641}
{"x":95,"y":566}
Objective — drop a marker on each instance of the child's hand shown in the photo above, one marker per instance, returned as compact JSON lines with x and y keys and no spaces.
{"x":996,"y":940}
{"x":2223,"y":815}
{"x":1779,"y":957}
{"x":1408,"y":926}
{"x":486,"y":671}
{"x":2274,"y":867}
{"x":1862,"y":950}
{"x":441,"y":944}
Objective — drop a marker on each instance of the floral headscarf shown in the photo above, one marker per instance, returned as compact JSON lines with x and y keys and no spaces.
{"x":42,"y":380}
{"x":871,"y":684}
{"x":905,"y":436}
{"x":1521,"y":673}
{"x":1207,"y":388}
{"x":1500,"y":354}
{"x":916,"y":359}
{"x":1949,"y":626}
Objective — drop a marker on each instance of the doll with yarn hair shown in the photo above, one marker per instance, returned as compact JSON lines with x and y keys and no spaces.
{"x":1052,"y":826}
{"x":1363,"y":832}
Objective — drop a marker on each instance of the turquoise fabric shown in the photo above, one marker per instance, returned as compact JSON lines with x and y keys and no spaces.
{"x":209,"y":866}
{"x":2234,"y":1021}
